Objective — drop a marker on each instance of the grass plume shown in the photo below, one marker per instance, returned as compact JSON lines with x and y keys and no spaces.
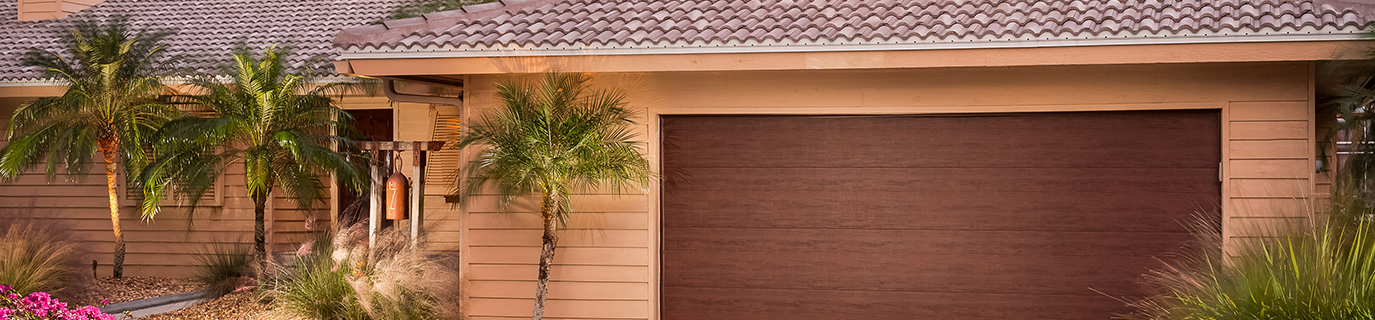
{"x":39,"y":257}
{"x":1320,"y":268}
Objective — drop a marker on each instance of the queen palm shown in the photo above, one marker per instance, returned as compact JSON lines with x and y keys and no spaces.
{"x":278,"y":126}
{"x":550,"y":138}
{"x":111,"y":73}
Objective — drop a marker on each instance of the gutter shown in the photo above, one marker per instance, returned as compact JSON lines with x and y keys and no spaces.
{"x":447,"y":51}
{"x":389,"y":88}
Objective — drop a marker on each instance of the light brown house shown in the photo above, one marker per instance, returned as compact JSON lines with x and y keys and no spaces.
{"x":890,"y":159}
{"x":209,"y":29}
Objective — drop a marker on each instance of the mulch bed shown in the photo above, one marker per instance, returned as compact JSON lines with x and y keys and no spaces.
{"x":128,"y":289}
{"x":136,"y":288}
{"x":234,"y":306}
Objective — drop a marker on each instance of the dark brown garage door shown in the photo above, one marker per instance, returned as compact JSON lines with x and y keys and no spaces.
{"x":1007,"y":216}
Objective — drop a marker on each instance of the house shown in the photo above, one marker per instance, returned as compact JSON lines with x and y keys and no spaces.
{"x":890,"y":159}
{"x":209,"y":29}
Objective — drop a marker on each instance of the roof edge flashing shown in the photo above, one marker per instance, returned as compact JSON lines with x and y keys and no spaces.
{"x":354,"y":53}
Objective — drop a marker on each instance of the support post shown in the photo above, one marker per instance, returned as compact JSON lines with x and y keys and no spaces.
{"x":375,"y":200}
{"x":417,"y":193}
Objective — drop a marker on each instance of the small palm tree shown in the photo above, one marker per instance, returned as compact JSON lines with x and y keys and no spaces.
{"x":550,"y":138}
{"x":281,"y":127}
{"x":111,"y":73}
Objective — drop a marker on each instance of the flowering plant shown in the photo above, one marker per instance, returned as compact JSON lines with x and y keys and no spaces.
{"x":41,"y":306}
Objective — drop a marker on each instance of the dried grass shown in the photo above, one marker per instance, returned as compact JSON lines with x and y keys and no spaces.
{"x":38,"y":256}
{"x":333,"y":280}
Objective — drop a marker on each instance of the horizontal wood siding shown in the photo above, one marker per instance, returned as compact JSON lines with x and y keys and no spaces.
{"x":492,"y":267}
{"x":164,"y":246}
{"x":1269,"y":168}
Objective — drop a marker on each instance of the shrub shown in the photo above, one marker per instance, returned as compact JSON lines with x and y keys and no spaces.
{"x":37,"y":258}
{"x":41,"y":306}
{"x":315,"y":288}
{"x":405,"y":283}
{"x":333,"y":280}
{"x":223,"y":267}
{"x":1315,"y":270}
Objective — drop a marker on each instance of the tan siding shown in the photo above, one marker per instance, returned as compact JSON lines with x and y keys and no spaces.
{"x":1268,"y":168}
{"x":51,"y":9}
{"x":164,"y":246}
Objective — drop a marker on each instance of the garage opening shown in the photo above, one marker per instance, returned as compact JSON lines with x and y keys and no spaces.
{"x":988,"y":216}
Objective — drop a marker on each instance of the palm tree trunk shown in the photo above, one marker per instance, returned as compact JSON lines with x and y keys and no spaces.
{"x":108,"y":148}
{"x":546,"y":257}
{"x":260,"y":232}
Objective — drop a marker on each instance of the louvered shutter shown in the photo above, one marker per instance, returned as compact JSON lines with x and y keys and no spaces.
{"x":444,"y":164}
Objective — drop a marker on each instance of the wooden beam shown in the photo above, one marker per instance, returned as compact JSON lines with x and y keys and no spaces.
{"x":401,"y":145}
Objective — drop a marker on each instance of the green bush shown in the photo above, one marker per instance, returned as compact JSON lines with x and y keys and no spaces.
{"x":1319,"y":269}
{"x":223,"y":267}
{"x":36,"y":257}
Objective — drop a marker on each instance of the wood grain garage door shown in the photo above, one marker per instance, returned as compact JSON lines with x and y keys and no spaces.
{"x":1007,"y":216}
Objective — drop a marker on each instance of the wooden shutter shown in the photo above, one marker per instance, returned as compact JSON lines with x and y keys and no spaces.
{"x":444,"y":163}
{"x":132,"y":197}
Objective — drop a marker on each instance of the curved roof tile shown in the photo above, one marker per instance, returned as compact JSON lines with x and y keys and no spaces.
{"x":208,"y":29}
{"x":536,"y":25}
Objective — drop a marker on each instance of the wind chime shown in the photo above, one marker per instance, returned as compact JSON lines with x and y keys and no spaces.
{"x":397,"y":198}
{"x":397,"y":186}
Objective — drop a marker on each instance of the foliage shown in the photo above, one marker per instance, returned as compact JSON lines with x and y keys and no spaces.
{"x":551,"y":137}
{"x":223,"y":267}
{"x":281,"y":127}
{"x":1314,"y":270}
{"x":36,"y":258}
{"x":333,"y":280}
{"x":316,"y":288}
{"x":41,"y":306}
{"x":111,"y":105}
{"x":416,"y":8}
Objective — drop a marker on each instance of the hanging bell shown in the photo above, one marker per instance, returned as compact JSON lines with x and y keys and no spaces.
{"x":396,"y":196}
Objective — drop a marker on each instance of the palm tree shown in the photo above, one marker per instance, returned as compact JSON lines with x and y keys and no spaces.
{"x":552,"y":137}
{"x":279,"y":126}
{"x":111,"y":73}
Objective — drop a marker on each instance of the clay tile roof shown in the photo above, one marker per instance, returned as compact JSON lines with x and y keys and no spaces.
{"x":570,"y":27}
{"x":208,"y":28}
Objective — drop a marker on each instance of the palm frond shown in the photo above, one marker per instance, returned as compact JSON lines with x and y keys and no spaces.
{"x":554,"y":137}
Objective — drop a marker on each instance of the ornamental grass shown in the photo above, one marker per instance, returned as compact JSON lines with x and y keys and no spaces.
{"x":36,"y":257}
{"x":1317,"y":268}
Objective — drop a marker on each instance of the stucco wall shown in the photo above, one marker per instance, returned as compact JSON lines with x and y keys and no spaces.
{"x":606,"y":265}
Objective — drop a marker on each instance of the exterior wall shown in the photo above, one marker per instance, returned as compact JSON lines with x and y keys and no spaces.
{"x":417,"y":122}
{"x":51,"y":9}
{"x":606,"y":266}
{"x":1270,"y":175}
{"x":167,"y":245}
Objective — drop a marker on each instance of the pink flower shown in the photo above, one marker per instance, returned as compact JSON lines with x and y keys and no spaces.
{"x":104,"y":302}
{"x":42,"y":306}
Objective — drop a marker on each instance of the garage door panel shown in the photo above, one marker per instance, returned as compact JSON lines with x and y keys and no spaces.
{"x":1136,"y":212}
{"x":943,"y":217}
{"x":971,"y":180}
{"x":888,"y":241}
{"x":967,"y":273}
{"x":730,"y":303}
{"x":1049,"y":140}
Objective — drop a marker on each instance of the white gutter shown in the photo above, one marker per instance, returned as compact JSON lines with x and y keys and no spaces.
{"x":389,"y":88}
{"x":955,"y":44}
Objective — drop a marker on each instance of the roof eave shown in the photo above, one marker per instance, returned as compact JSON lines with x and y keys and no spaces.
{"x":1307,"y":47}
